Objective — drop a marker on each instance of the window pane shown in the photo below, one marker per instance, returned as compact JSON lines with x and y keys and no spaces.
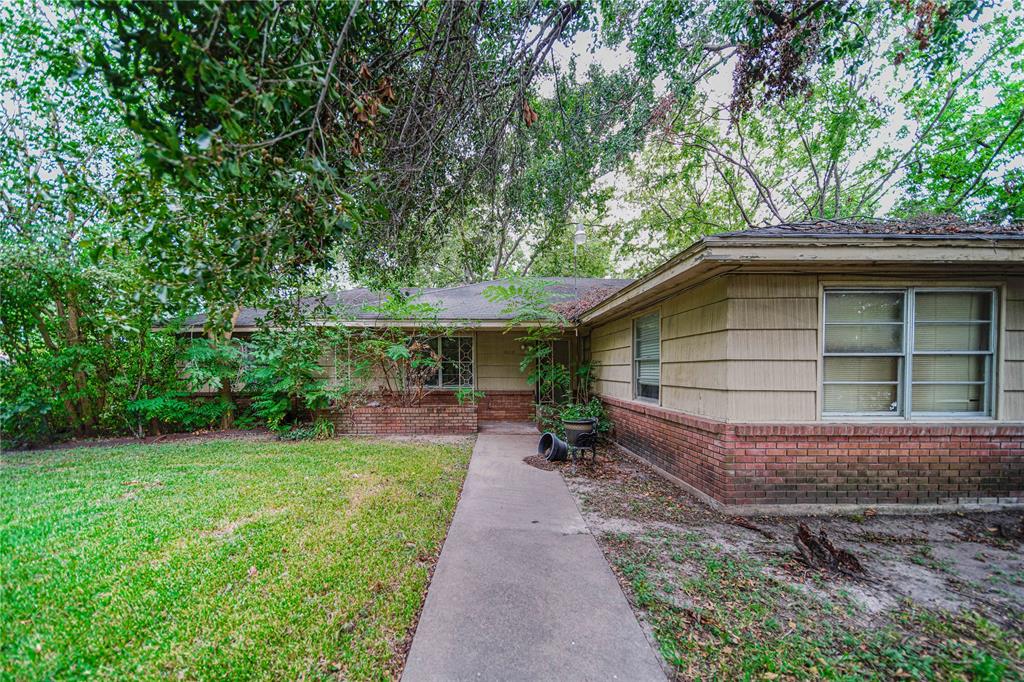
{"x":860,"y":398}
{"x":863,"y":338}
{"x":450,"y":348}
{"x":456,"y":361}
{"x":648,"y":371}
{"x":938,"y":336}
{"x":948,"y":306}
{"x":647,"y":356}
{"x":949,"y":367}
{"x":947,"y":398}
{"x":862,"y":369}
{"x":648,"y":391}
{"x":864,"y":307}
{"x":449,"y":373}
{"x":647,"y":333}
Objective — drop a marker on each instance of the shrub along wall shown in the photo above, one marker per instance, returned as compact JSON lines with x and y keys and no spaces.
{"x":824,"y":463}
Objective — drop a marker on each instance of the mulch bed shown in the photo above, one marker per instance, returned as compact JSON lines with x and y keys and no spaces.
{"x":538,"y":462}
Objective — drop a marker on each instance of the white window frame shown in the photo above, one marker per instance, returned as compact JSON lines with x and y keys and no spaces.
{"x":636,"y":361}
{"x":439,"y":385}
{"x":905,"y":383}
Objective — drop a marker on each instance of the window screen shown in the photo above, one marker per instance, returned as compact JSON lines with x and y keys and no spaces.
{"x":952,"y":352}
{"x":908,"y":351}
{"x":647,"y":356}
{"x":456,"y":368}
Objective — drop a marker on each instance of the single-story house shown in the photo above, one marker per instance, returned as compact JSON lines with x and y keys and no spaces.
{"x":834,"y":362}
{"x":483,"y":353}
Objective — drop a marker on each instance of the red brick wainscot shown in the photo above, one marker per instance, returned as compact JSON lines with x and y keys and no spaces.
{"x":492,"y":406}
{"x":826,"y":463}
{"x":393,"y":421}
{"x":505,"y":406}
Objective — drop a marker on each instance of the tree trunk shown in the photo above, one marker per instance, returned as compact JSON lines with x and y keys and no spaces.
{"x":227,"y":420}
{"x":84,"y":416}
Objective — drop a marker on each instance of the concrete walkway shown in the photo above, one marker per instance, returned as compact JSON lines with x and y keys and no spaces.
{"x":522,"y":591}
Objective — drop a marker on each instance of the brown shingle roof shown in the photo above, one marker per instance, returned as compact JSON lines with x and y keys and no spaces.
{"x":465,"y":302}
{"x":922,"y":226}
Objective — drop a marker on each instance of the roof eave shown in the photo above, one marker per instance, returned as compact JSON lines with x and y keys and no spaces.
{"x":701,"y":257}
{"x":458,"y":324}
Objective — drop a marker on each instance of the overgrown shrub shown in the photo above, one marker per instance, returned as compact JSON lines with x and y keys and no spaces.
{"x":283,"y":376}
{"x":320,"y":429}
{"x":529,"y":302}
{"x":399,"y":361}
{"x":179,"y":410}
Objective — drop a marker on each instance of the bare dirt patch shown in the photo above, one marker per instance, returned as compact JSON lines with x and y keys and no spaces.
{"x":739,"y":591}
{"x":228,"y":528}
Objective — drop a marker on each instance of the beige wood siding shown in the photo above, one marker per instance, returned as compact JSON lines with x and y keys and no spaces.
{"x":610,"y":352}
{"x":497,"y":362}
{"x":773,"y":347}
{"x":694,"y":350}
{"x":746,"y":347}
{"x":1013,"y":352}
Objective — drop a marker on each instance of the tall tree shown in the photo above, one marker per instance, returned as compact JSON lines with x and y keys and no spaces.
{"x":833,"y":145}
{"x":76,"y":315}
{"x":293,"y":128}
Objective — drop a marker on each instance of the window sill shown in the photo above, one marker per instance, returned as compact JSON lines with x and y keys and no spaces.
{"x":881,"y":419}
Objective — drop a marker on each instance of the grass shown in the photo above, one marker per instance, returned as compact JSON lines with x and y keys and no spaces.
{"x":222,"y":560}
{"x":724,"y":616}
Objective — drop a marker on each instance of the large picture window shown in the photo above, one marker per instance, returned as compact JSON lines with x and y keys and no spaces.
{"x":647,"y":357}
{"x":913,"y":352}
{"x":456,"y":370}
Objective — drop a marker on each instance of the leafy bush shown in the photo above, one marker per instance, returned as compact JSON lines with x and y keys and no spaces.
{"x":283,"y":375}
{"x":208,"y":363}
{"x":592,"y":409}
{"x":468,"y":395}
{"x":401,"y":360}
{"x":178,"y":409}
{"x":550,"y":417}
{"x":24,"y":409}
{"x":320,"y":429}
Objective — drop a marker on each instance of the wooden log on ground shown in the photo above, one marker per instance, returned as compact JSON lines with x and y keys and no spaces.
{"x":817,"y":551}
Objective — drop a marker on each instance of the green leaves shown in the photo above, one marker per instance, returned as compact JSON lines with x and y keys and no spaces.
{"x":398,"y":351}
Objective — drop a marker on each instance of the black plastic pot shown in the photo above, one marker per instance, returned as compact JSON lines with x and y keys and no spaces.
{"x":553,"y":448}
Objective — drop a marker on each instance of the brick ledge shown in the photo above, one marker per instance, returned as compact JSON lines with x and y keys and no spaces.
{"x":818,"y":509}
{"x":987,"y":428}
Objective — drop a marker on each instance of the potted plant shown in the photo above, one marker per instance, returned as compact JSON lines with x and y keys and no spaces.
{"x":579,"y":418}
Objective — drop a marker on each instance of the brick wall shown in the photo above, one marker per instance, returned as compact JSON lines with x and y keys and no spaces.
{"x":686,"y":447}
{"x":763,"y":464}
{"x":506,"y":406}
{"x":422,"y":419}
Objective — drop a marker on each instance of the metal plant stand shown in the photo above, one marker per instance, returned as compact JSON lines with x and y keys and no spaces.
{"x":581,"y":436}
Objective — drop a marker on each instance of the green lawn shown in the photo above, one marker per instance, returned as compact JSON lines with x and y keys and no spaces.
{"x":220,"y":560}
